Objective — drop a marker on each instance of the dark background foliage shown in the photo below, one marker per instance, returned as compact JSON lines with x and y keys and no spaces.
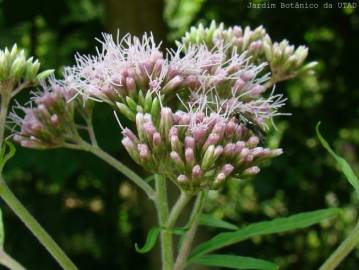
{"x":97,"y":215}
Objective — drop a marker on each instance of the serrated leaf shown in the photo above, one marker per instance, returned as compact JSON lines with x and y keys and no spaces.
{"x":234,"y":262}
{"x":150,"y":240}
{"x":4,"y":157}
{"x":211,"y":221}
{"x":344,"y":166}
{"x":277,"y":225}
{"x":2,"y":231}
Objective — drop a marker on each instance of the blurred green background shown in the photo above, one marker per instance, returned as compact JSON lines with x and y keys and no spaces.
{"x":97,"y":215}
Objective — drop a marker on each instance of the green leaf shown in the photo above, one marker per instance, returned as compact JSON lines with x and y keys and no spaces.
{"x":277,"y":225}
{"x":150,"y":240}
{"x":4,"y":157}
{"x":234,"y":262}
{"x":2,"y":231}
{"x":211,"y":221}
{"x":344,"y":166}
{"x":153,"y":235}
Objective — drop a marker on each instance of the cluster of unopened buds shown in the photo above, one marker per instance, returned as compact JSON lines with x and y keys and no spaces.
{"x":18,"y":72}
{"x":197,"y":109}
{"x":49,"y":123}
{"x":285,"y":61}
{"x":244,"y":40}
{"x":194,"y":150}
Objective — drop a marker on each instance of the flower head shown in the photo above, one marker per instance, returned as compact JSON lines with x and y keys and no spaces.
{"x":194,"y":150}
{"x":243,"y":40}
{"x":16,"y":71}
{"x":49,"y":121}
{"x":285,"y":61}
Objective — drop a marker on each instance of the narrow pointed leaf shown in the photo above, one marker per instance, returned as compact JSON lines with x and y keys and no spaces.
{"x":234,"y":262}
{"x":4,"y":157}
{"x":150,"y":240}
{"x":211,"y":221}
{"x":277,"y":225}
{"x":344,"y":166}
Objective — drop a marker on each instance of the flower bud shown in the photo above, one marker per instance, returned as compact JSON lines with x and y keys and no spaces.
{"x":165,"y":122}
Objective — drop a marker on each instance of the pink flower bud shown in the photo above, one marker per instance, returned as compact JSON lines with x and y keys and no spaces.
{"x":175,"y":143}
{"x":182,"y":179}
{"x":199,"y":134}
{"x":233,"y":68}
{"x":149,"y":129}
{"x":219,"y":128}
{"x":172,"y":84}
{"x":128,"y":133}
{"x":189,"y":142}
{"x":211,"y":140}
{"x":54,"y":120}
{"x":230,"y":128}
{"x":177,"y":160}
{"x":252,"y":141}
{"x":165,"y":121}
{"x":227,"y":169}
{"x":156,"y":139}
{"x":229,"y":149}
{"x":158,"y":66}
{"x":218,"y":151}
{"x":189,"y":155}
{"x":237,"y":31}
{"x":247,"y":75}
{"x":251,"y":171}
{"x":257,"y":90}
{"x":131,"y":86}
{"x":173,"y":132}
{"x":196,"y":172}
{"x":257,"y":152}
{"x":239,"y":146}
{"x":191,"y":82}
{"x":184,"y":120}
{"x":144,"y":151}
{"x":220,"y":178}
{"x":276,"y":152}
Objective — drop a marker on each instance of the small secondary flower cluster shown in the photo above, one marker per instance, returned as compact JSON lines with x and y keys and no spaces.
{"x":285,"y":61}
{"x":16,"y":71}
{"x":194,"y":150}
{"x":244,"y":40}
{"x":49,"y":122}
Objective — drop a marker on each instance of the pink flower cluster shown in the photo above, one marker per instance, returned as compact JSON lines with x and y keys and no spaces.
{"x":48,"y":123}
{"x":194,"y":150}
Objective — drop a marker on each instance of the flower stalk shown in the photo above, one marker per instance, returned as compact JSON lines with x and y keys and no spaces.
{"x":30,"y":222}
{"x":189,"y":236}
{"x":9,"y":262}
{"x":177,"y":209}
{"x":97,"y":151}
{"x":5,"y":100}
{"x":163,"y":215}
{"x":343,"y":250}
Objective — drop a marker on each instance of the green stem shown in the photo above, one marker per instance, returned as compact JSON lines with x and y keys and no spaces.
{"x":163,"y":215}
{"x":91,"y":131}
{"x":9,"y":262}
{"x":185,"y":249}
{"x":31,"y":223}
{"x":343,"y":250}
{"x":5,"y":99}
{"x":97,"y":151}
{"x":177,"y":209}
